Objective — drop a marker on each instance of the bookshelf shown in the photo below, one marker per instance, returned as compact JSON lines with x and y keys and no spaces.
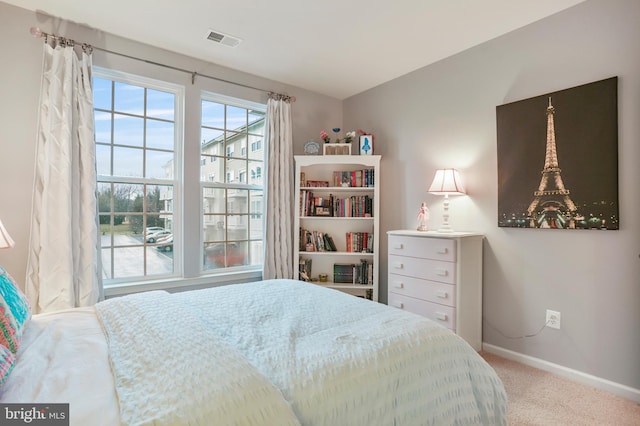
{"x":337,"y":221}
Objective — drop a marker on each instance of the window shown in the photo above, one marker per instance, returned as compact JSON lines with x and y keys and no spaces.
{"x":137,"y":130}
{"x":232,"y":219}
{"x":139,"y":155}
{"x":256,"y":175}
{"x":256,"y":146}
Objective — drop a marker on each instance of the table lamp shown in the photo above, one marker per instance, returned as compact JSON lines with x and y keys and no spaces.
{"x":446,"y":182}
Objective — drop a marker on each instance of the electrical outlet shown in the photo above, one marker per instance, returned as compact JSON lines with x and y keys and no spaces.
{"x":553,"y":319}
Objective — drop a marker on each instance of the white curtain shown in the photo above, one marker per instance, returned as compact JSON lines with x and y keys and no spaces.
{"x":62,"y":269}
{"x":279,"y":206}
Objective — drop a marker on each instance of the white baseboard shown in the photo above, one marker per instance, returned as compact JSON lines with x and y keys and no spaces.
{"x":575,"y":375}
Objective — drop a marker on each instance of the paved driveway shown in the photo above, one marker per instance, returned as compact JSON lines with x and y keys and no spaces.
{"x":129,"y":257}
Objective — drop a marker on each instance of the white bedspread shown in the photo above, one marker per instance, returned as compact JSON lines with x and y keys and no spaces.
{"x":267,"y":353}
{"x":170,"y":369}
{"x":341,"y":361}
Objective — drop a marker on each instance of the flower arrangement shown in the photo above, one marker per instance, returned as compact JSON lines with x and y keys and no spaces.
{"x":348,"y":137}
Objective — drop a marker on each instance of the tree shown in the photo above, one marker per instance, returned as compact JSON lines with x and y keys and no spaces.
{"x":153,"y":205}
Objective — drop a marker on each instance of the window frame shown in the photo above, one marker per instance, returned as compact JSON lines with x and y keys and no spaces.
{"x":188,"y":272}
{"x":176,"y":183}
{"x":244,"y":104}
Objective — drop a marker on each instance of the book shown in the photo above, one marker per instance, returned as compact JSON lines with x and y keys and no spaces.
{"x":343,"y":273}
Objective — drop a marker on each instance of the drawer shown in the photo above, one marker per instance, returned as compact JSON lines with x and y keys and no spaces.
{"x":432,"y":270}
{"x":425,"y":248}
{"x":444,"y":315}
{"x":444,"y":294}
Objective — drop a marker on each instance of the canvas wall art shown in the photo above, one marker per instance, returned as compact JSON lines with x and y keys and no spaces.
{"x":558,"y":159}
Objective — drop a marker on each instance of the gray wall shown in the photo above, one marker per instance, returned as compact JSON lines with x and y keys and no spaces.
{"x":20,"y":87}
{"x":439,"y":116}
{"x":443,"y":115}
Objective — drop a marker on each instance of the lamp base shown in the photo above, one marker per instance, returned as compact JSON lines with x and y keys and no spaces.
{"x":445,"y":228}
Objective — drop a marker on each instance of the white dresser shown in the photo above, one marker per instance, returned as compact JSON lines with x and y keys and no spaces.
{"x":439,"y":276}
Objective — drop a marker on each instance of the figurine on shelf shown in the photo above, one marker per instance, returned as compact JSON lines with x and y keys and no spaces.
{"x":423,"y":217}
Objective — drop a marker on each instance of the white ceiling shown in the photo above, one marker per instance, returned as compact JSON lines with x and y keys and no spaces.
{"x":335,"y":47}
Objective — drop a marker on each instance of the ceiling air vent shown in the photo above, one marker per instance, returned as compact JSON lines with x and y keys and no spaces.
{"x":223,"y":38}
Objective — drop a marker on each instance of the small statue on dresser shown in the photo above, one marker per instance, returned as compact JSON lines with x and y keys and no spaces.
{"x":423,"y":217}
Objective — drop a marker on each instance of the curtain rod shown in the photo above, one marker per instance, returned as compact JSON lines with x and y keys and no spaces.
{"x":37,"y":32}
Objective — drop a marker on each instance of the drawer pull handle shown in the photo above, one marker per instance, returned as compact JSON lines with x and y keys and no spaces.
{"x":398,"y":246}
{"x":398,"y":305}
{"x":441,"y":316}
{"x":442,"y":294}
{"x":443,"y":272}
{"x":398,"y":265}
{"x":443,"y":250}
{"x":398,"y":284}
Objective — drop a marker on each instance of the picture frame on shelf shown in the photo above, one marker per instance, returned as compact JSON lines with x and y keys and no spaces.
{"x":312,"y":148}
{"x":316,"y":184}
{"x":366,"y":144}
{"x":322,"y":211}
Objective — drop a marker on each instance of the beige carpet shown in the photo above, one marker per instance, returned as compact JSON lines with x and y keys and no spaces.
{"x":539,"y":398}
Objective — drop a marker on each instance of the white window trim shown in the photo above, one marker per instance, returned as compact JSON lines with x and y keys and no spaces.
{"x":228,"y":100}
{"x":179,"y":92}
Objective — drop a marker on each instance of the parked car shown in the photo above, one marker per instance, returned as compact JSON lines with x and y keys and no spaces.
{"x":219,"y":256}
{"x":152,"y":229}
{"x":153,"y":237}
{"x":165,"y":243}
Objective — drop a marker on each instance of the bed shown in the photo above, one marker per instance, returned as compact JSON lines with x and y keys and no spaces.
{"x":274,"y":352}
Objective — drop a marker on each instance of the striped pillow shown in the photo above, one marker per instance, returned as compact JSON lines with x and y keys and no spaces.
{"x":15,"y":312}
{"x":7,"y":359}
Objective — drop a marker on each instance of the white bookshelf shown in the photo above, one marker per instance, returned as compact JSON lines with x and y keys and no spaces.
{"x":322,"y":168}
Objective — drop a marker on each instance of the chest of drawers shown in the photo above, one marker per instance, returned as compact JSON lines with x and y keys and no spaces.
{"x":439,"y":276}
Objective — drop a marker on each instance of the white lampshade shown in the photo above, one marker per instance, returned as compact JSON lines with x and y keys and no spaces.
{"x":5,"y":239}
{"x":446,"y":182}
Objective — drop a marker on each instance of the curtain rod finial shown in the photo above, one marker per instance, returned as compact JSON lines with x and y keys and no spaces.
{"x":36,"y":32}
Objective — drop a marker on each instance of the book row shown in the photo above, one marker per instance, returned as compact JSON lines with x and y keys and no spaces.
{"x":348,"y":178}
{"x":316,"y":241}
{"x":354,"y":178}
{"x":343,"y":273}
{"x":360,"y":242}
{"x":333,"y":206}
{"x":353,"y":273}
{"x":356,"y":242}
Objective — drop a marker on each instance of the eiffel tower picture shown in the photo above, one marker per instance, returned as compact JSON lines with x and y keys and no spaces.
{"x":582,"y":136}
{"x":552,"y":206}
